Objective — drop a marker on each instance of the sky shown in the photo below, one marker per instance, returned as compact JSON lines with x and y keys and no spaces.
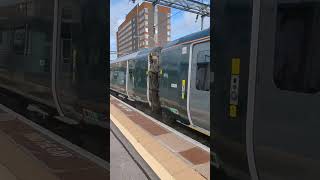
{"x":182,"y":23}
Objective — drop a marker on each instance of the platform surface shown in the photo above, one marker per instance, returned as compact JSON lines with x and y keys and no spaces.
{"x":27,"y":153}
{"x":170,"y":156}
{"x":123,"y":166}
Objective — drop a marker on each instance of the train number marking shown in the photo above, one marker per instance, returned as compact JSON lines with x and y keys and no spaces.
{"x":184,"y":50}
{"x":174,"y":85}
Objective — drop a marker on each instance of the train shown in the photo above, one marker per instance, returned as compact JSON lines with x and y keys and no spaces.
{"x":266,"y":90}
{"x":173,"y":79}
{"x":54,"y":53}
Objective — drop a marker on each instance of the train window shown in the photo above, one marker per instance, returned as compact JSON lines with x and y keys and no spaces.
{"x":131,"y":68}
{"x":19,"y":40}
{"x":66,"y":50}
{"x":203,"y":71}
{"x":66,"y":30}
{"x":1,"y":38}
{"x":122,"y":77}
{"x":297,"y":49}
{"x":115,"y":75}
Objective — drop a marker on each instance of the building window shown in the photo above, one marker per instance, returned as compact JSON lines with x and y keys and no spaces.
{"x":203,"y":71}
{"x":140,"y":13}
{"x":297,"y":49}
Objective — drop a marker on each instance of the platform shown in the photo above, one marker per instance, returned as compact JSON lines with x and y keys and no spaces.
{"x":29,"y":152}
{"x":169,"y":154}
{"x":126,"y":163}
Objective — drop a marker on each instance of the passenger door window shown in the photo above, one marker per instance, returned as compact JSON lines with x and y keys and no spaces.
{"x":203,"y":71}
{"x":19,"y":40}
{"x":115,"y":75}
{"x":297,"y":50}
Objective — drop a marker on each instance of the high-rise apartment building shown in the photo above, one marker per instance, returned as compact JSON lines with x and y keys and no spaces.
{"x":137,"y":31}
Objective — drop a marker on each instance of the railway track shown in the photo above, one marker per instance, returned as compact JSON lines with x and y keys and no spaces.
{"x":193,"y":134}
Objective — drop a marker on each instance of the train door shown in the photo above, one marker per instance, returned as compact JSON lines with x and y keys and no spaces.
{"x":81,"y":64}
{"x":68,"y":19}
{"x":232,"y":44}
{"x":130,"y":79}
{"x":283,"y":114}
{"x":199,"y":85}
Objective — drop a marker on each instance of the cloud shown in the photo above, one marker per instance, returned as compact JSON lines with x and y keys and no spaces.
{"x":186,"y":23}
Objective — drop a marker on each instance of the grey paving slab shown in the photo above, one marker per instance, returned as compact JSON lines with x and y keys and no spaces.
{"x":122,"y":165}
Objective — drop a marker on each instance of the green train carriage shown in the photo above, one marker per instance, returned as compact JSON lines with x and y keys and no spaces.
{"x":131,"y":76}
{"x":184,"y":89}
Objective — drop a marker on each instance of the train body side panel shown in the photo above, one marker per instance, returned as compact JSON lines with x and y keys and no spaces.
{"x":173,"y":68}
{"x":286,"y":103}
{"x":174,"y":74}
{"x":70,"y":33}
{"x":26,"y":50}
{"x":118,"y":73}
{"x":232,"y":37}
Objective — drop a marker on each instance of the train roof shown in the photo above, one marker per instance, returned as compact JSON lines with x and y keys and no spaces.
{"x":190,"y":37}
{"x":132,"y":55}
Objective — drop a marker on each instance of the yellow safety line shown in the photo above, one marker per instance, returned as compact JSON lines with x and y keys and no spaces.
{"x":161,"y":172}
